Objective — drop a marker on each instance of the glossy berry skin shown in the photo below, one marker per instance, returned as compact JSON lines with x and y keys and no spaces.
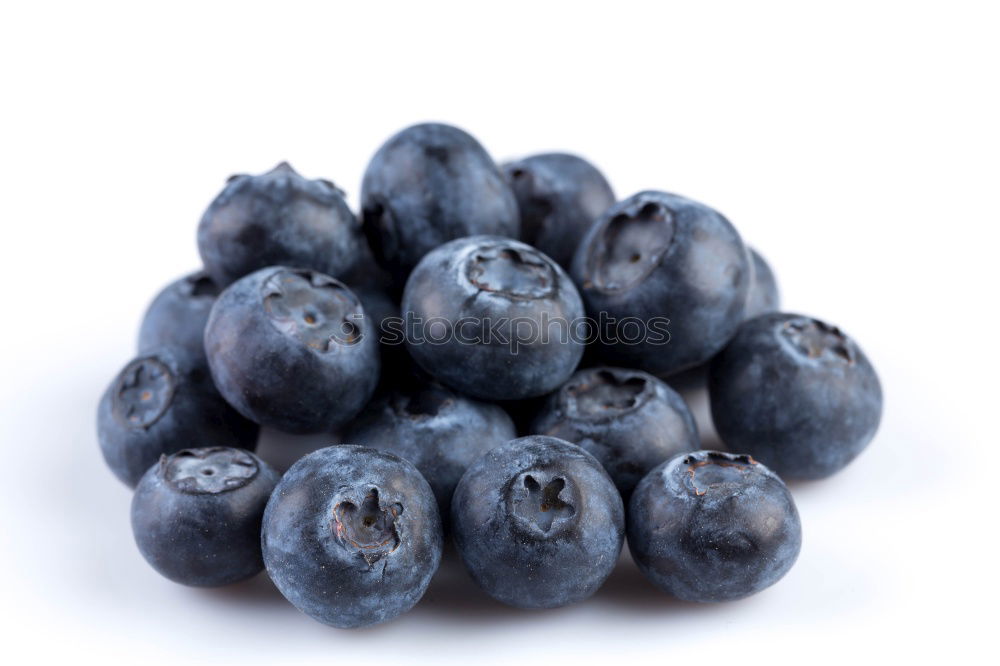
{"x":763,"y":295}
{"x":438,"y":430}
{"x":196,"y":515}
{"x":159,"y":404}
{"x":176,"y":318}
{"x":292,"y":349}
{"x":538,"y":523}
{"x":710,"y":526}
{"x":427,"y":185}
{"x":352,"y":536}
{"x":475,"y":311}
{"x":795,"y":393}
{"x":629,"y":420}
{"x":662,"y":255}
{"x":278,"y":218}
{"x":560,"y":196}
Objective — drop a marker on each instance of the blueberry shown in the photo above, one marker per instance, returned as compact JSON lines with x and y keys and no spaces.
{"x":352,"y":536}
{"x":427,"y":185}
{"x":523,"y":412}
{"x":379,"y":305}
{"x":559,"y":197}
{"x":278,"y":218}
{"x":436,"y":429}
{"x":196,"y":515}
{"x":709,"y":526}
{"x":657,"y":255}
{"x":692,"y":383}
{"x":763,"y":295}
{"x":538,"y":523}
{"x":366,"y":273}
{"x":795,"y":393}
{"x":374,"y":288}
{"x":383,"y":311}
{"x":159,"y":404}
{"x":176,"y":317}
{"x":292,"y":349}
{"x":629,"y":420}
{"x":493,"y":318}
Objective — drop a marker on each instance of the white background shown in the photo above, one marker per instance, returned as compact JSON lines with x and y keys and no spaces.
{"x":856,"y":146}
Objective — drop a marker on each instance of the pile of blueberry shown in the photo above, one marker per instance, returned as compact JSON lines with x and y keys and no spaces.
{"x":496,"y":347}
